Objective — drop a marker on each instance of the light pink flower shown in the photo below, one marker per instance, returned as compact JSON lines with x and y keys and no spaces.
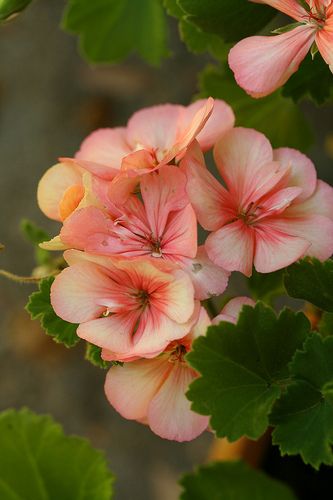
{"x":262,"y":64}
{"x":153,"y":391}
{"x":162,"y":132}
{"x":128,"y":307}
{"x":163,"y":226}
{"x":272,"y":211}
{"x":231,"y":310}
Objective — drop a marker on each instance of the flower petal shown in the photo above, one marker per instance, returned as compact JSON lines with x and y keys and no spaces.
{"x":76,"y":292}
{"x":53,"y":185}
{"x":276,"y":249}
{"x":324,"y":38}
{"x":231,"y":310}
{"x":320,"y":203}
{"x":292,"y":8}
{"x":302,"y":170}
{"x":169,"y":414}
{"x":130,"y":388}
{"x":262,"y":64}
{"x":208,"y":278}
{"x":232,"y":247}
{"x":210,"y":200}
{"x":107,"y":146}
{"x":221,"y":120}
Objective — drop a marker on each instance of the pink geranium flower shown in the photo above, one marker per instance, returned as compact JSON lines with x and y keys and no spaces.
{"x":153,"y":391}
{"x":162,"y":226}
{"x":261,"y":64}
{"x":129,"y":308}
{"x":271,"y":212}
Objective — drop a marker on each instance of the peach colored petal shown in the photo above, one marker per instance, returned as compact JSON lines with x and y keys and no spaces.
{"x":107,"y":146}
{"x":262,"y":64}
{"x":324,"y":40}
{"x":221,"y":120}
{"x":275,"y":249}
{"x":208,"y":278}
{"x":52,"y":186}
{"x":210,"y":200}
{"x":76,"y":292}
{"x":292,"y":8}
{"x":169,"y":413}
{"x":130,"y":388}
{"x":320,"y":203}
{"x":154,"y":128}
{"x":231,"y":310}
{"x":98,"y":169}
{"x":302,"y":170}
{"x":244,"y":160}
{"x":70,"y":200}
{"x":232,"y":247}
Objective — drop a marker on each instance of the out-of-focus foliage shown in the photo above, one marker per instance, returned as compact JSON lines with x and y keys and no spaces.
{"x":232,"y":481}
{"x":311,"y":280}
{"x":9,"y":8}
{"x":110,"y":30}
{"x":39,"y":462}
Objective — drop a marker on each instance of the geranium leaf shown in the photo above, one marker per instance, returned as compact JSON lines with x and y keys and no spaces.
{"x":325,"y":325}
{"x":110,"y":30}
{"x":242,"y":369}
{"x":311,"y":280}
{"x":266,"y":286}
{"x":93,"y":354}
{"x":230,"y":19}
{"x":39,"y":306}
{"x":39,"y":462}
{"x":36,"y":235}
{"x":304,"y":414}
{"x":232,"y":481}
{"x":289,"y":127}
{"x":9,"y":8}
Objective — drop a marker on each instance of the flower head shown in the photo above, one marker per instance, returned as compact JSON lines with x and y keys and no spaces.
{"x":272,"y":211}
{"x":262,"y":64}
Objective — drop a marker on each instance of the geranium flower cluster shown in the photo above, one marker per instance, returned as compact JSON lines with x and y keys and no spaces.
{"x":130,"y":202}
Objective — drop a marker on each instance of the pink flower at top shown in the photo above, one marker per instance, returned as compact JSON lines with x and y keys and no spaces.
{"x":129,"y":308}
{"x":272,"y":211}
{"x":156,"y":135}
{"x":153,"y":391}
{"x":262,"y":64}
{"x":163,"y":226}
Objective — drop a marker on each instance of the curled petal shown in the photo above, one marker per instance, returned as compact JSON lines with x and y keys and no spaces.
{"x":292,"y":8}
{"x":262,"y":64}
{"x":221,"y":120}
{"x":53,"y":186}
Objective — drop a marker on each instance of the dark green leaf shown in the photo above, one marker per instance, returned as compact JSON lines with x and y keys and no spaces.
{"x":311,"y":280}
{"x":326,"y":324}
{"x":110,"y":30}
{"x":304,"y":414}
{"x":243,"y":367}
{"x":36,"y":235}
{"x":266,"y":286}
{"x":39,"y":306}
{"x":230,"y":19}
{"x":313,"y":79}
{"x":39,"y":462}
{"x":232,"y":481}
{"x":93,"y":354}
{"x":288,"y":128}
{"x":9,"y":8}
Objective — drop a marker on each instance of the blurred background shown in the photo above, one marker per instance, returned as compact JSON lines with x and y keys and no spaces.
{"x":50,"y":99}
